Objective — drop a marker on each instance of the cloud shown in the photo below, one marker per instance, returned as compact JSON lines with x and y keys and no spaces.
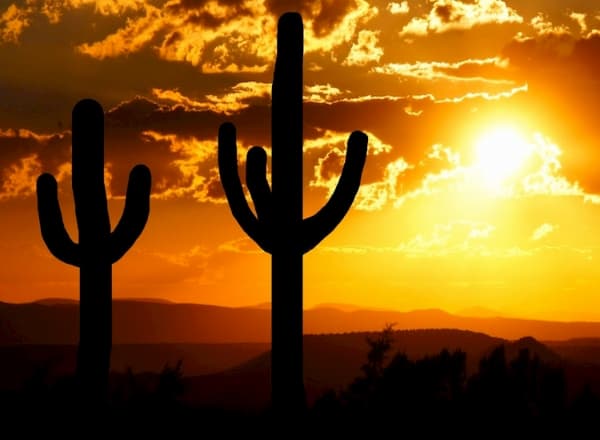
{"x":240,"y":246}
{"x":375,"y":196}
{"x":25,"y":155}
{"x":18,"y":180}
{"x":194,"y":257}
{"x":449,"y":15}
{"x":327,"y":24}
{"x":543,"y":26}
{"x":580,"y":18}
{"x":214,"y":36}
{"x":365,"y":50}
{"x":198,"y":175}
{"x":398,"y":8}
{"x":328,"y":166}
{"x":486,"y":70}
{"x":485,"y":95}
{"x":344,"y":31}
{"x":239,"y":97}
{"x":128,"y":39}
{"x":54,"y":9}
{"x":443,"y":170}
{"x":13,"y":22}
{"x":456,"y":237}
{"x":542,"y":231}
{"x":321,"y":93}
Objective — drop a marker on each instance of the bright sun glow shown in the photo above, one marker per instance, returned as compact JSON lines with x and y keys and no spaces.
{"x":499,"y":154}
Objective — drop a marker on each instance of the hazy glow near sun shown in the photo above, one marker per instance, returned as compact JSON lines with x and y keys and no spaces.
{"x":499,"y":154}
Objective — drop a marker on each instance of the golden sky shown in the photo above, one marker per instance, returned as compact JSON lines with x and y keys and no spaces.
{"x":481,"y":187}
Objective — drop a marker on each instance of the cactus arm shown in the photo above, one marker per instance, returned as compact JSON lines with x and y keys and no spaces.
{"x":135,"y":214}
{"x":230,"y":179}
{"x":317,"y":227}
{"x":54,"y":234}
{"x":256,"y":180}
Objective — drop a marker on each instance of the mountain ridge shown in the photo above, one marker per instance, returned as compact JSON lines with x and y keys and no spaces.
{"x":56,"y":322}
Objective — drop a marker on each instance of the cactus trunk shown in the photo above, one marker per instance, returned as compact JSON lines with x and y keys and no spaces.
{"x":278,"y":226}
{"x":287,"y":377}
{"x":98,"y":247}
{"x":95,"y":271}
{"x":286,"y":270}
{"x":95,"y":330}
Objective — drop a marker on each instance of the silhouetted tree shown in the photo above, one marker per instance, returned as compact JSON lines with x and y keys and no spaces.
{"x":379,"y":347}
{"x":98,"y":247}
{"x":170,"y":385}
{"x":278,"y":227}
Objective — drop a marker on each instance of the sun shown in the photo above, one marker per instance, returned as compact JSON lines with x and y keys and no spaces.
{"x":499,"y":155}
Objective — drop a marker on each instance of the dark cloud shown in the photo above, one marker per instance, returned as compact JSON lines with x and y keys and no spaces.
{"x":204,"y":13}
{"x":52,"y":149}
{"x":325,"y":14}
{"x":446,"y":13}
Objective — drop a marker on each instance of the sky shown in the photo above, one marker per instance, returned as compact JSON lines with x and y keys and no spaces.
{"x":481,"y":187}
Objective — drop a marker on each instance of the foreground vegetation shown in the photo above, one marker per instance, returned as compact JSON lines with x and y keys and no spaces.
{"x":433,"y":393}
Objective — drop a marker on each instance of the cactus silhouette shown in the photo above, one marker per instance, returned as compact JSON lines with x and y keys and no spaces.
{"x":278,"y":227}
{"x":98,"y":247}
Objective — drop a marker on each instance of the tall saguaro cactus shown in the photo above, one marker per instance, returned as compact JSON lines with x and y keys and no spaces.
{"x":278,"y":227}
{"x":98,"y":247}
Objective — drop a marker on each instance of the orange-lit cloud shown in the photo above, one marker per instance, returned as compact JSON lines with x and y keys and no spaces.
{"x":398,"y":8}
{"x":217,"y":37}
{"x":375,"y":196}
{"x":54,"y":9}
{"x":485,"y":95}
{"x":542,"y":231}
{"x":324,"y":39}
{"x":15,"y":18}
{"x":23,"y":133}
{"x":25,"y":155}
{"x":365,"y":50}
{"x":240,"y":96}
{"x":214,"y":36}
{"x":447,"y":239}
{"x":466,"y":70}
{"x":199,"y":177}
{"x":543,"y":26}
{"x":445,"y":171}
{"x":18,"y":180}
{"x":327,"y":168}
{"x":12,"y":23}
{"x":128,"y":39}
{"x":322,"y":93}
{"x":448,"y":15}
{"x":243,"y":245}
{"x":580,"y":19}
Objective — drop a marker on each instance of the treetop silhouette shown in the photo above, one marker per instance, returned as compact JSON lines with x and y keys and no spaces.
{"x":98,"y":247}
{"x":278,"y":226}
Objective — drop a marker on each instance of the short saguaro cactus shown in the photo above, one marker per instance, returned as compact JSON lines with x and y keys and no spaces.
{"x":98,"y":246}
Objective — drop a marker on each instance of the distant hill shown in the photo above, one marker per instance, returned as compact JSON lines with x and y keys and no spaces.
{"x":237,"y":375}
{"x":56,"y":322}
{"x":333,"y":361}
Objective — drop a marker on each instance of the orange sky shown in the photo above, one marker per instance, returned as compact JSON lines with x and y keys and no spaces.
{"x":481,"y":185}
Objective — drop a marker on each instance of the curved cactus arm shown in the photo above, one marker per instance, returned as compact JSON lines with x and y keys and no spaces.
{"x":52,"y":226}
{"x":256,"y":180}
{"x":135,"y":214}
{"x":318,"y":226}
{"x":230,"y":179}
